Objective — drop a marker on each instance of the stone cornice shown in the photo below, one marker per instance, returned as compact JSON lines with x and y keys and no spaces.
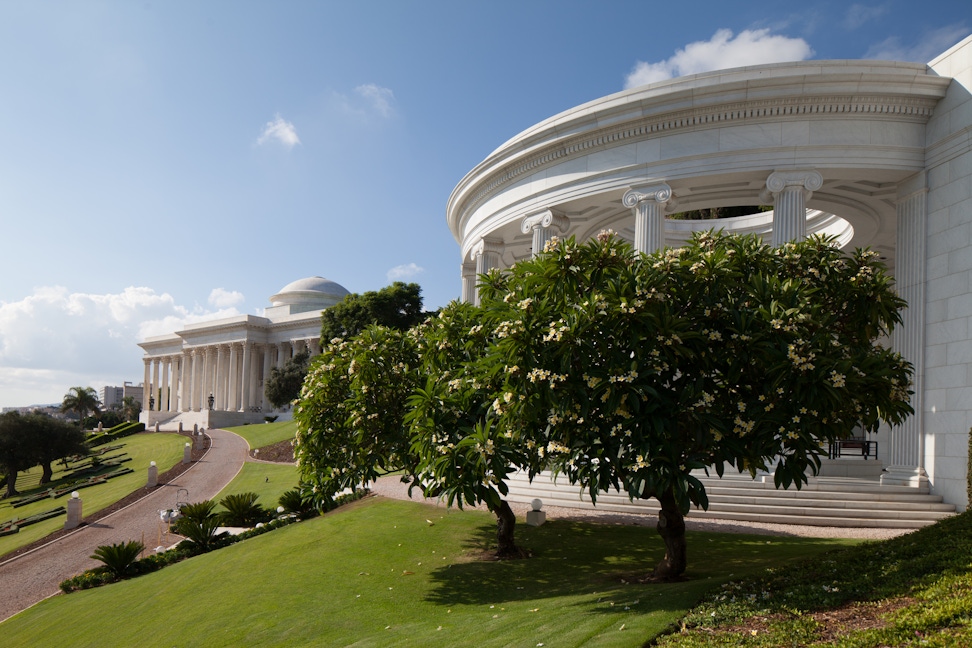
{"x":917,"y":109}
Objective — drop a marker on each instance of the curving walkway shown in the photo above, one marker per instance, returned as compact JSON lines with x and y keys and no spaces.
{"x":34,"y":576}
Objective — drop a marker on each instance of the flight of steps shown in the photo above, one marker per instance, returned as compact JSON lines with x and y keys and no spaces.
{"x":825,"y":501}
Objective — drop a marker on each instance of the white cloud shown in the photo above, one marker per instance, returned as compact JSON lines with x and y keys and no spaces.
{"x":858,"y":15}
{"x":927,"y":45}
{"x":722,"y":51}
{"x":380,"y":99}
{"x":280,"y":130}
{"x":367,"y":102}
{"x":406,"y":271}
{"x":54,"y":339}
{"x":221,"y":298}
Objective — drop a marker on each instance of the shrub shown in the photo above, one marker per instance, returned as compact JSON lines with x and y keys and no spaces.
{"x":198,"y":511}
{"x":201,"y":533}
{"x":294,"y":502}
{"x":242,"y":510}
{"x":118,"y":558}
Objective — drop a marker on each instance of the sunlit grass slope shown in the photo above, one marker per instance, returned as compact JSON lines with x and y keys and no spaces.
{"x":261,"y":435}
{"x":382,"y":573}
{"x":164,"y":449}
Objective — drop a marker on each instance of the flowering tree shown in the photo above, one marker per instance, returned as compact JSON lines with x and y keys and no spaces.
{"x":632,"y":371}
{"x":463,"y":451}
{"x":350,"y":414}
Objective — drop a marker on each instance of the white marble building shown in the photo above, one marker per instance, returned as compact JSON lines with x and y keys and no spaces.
{"x":227,"y":360}
{"x":878,"y":153}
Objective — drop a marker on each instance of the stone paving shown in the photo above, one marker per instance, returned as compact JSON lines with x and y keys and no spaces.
{"x":34,"y":576}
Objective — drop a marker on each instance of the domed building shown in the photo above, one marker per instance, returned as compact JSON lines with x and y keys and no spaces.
{"x":212,"y":373}
{"x":875,"y":153}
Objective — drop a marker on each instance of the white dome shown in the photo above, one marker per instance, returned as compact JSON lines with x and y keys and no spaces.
{"x":310,"y":293}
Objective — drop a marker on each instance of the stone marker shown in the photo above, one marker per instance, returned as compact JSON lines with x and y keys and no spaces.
{"x":73,"y":520}
{"x":536,"y":517}
{"x":153,"y":475}
{"x":187,"y":453}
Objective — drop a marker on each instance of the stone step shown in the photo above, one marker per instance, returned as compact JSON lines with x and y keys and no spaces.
{"x":844,"y":502}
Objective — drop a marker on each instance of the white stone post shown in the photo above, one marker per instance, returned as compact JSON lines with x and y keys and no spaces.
{"x":153,"y":475}
{"x":905,"y":455}
{"x":543,"y":224}
{"x":649,"y":204}
{"x":487,"y":255}
{"x":187,"y":453}
{"x":73,"y":520}
{"x":789,"y":191}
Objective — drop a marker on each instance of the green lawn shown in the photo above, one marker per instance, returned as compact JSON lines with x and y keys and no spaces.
{"x":262,"y":435}
{"x":269,"y":481}
{"x":165,"y":449}
{"x":382,"y":573}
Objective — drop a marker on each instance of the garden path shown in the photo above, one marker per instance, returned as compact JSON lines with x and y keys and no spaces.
{"x":34,"y":576}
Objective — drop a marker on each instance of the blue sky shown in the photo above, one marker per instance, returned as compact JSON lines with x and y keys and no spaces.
{"x":169,"y":162}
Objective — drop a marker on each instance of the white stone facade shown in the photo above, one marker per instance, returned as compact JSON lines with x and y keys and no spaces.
{"x":228,"y":360}
{"x":877,"y":153}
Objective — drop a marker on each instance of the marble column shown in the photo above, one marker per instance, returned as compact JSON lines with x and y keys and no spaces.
{"x":649,"y":204}
{"x":154,"y":393}
{"x":146,"y":385}
{"x":544,"y":225}
{"x":245,"y":375}
{"x":164,"y":399}
{"x":194,"y":361}
{"x":283,"y":354}
{"x":905,"y":456}
{"x":267,"y":364}
{"x":174,"y":391}
{"x":233,"y":403}
{"x":487,"y":255}
{"x":468,"y":270}
{"x":185,"y":383}
{"x":788,"y":192}
{"x":220,"y":380}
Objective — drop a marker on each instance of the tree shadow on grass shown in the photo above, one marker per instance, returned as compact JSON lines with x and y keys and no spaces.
{"x":570,"y":558}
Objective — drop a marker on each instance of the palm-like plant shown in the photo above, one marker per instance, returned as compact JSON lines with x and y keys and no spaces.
{"x":198,"y":524}
{"x":241,"y":510}
{"x":130,"y":408}
{"x":81,"y":400}
{"x":119,"y":558}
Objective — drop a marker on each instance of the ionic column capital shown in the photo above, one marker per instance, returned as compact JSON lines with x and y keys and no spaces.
{"x":805,"y":180}
{"x":546,"y":218}
{"x":486,"y":246}
{"x":660,"y":193}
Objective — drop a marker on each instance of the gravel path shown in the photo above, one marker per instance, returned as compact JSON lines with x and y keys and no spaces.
{"x":392,"y":486}
{"x":34,"y":576}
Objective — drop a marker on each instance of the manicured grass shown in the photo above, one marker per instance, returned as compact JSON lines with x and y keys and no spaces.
{"x":165,"y":449}
{"x":262,"y":435}
{"x":914,"y":590}
{"x":382,"y":573}
{"x":269,"y":481}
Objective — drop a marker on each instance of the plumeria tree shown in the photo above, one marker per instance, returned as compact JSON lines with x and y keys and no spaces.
{"x":464,"y":448}
{"x":350,"y":427}
{"x":632,"y":371}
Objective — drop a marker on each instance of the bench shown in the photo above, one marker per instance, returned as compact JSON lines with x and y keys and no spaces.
{"x":863,"y":447}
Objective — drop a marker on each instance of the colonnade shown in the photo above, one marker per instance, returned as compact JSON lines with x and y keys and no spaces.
{"x":232,"y":374}
{"x":788,"y":191}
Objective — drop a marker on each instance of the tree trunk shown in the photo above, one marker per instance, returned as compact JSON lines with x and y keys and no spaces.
{"x":46,"y":472}
{"x":11,"y":485}
{"x":505,"y":524}
{"x":671,"y":527}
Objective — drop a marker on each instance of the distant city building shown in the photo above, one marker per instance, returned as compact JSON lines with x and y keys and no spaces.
{"x":110,"y":396}
{"x":113,"y":397}
{"x":212,"y":373}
